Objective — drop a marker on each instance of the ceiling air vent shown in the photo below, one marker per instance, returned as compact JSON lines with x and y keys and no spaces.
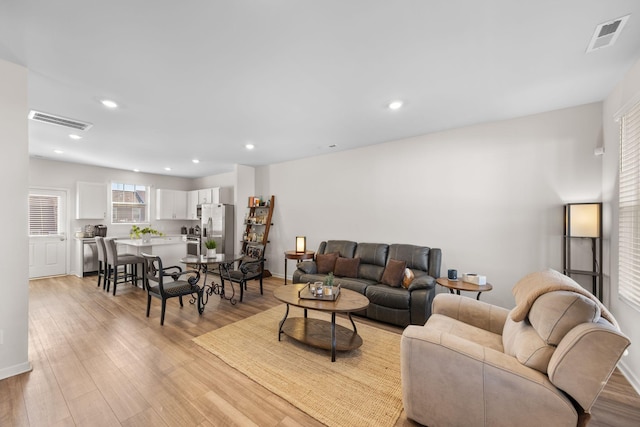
{"x":606,"y":33}
{"x":39,"y":116}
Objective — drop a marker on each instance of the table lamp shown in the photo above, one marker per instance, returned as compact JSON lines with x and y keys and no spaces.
{"x":301,"y":244}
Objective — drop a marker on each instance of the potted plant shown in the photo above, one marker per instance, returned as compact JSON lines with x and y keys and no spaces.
{"x":211,"y":248}
{"x":328,"y":284}
{"x":136,"y":232}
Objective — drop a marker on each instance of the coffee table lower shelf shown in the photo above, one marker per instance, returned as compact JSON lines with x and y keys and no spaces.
{"x":317,"y":333}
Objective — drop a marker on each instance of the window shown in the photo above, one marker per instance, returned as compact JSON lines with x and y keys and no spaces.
{"x":629,"y":209}
{"x":43,"y":215}
{"x":129,"y":203}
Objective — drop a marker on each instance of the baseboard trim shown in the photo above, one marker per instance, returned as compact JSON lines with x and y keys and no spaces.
{"x":15,"y":370}
{"x":629,"y":375}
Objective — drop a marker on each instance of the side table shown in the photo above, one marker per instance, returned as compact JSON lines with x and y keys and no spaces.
{"x":299,"y":256}
{"x":455,"y":286}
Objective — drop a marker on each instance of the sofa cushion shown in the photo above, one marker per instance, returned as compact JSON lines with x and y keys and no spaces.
{"x":416,"y":257}
{"x":521,"y":341}
{"x":346,"y":267}
{"x":393,"y":273}
{"x":344,"y":248}
{"x":554,"y":314}
{"x":386,"y":296}
{"x":373,"y":257}
{"x":359,"y":285}
{"x":326,"y":262}
{"x":372,"y":253}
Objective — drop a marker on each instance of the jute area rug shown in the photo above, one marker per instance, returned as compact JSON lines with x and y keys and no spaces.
{"x":361,"y":388}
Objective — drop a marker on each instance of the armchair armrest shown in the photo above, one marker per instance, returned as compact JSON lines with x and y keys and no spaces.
{"x":252,"y":266}
{"x":472,"y":312}
{"x":177,"y":273}
{"x":309,"y":267}
{"x":448,"y":380}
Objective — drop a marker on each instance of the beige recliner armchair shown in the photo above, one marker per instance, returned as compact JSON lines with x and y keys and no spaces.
{"x":544,"y":363}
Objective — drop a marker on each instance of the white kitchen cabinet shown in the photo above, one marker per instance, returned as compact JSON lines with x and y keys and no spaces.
{"x":171,"y":204}
{"x":205,"y":196}
{"x":192,"y":204}
{"x":91,"y":200}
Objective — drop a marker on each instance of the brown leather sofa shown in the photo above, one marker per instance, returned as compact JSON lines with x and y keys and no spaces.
{"x":391,"y":303}
{"x":544,"y":363}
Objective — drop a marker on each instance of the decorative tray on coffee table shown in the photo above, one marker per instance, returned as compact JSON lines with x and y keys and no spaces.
{"x":305,"y":293}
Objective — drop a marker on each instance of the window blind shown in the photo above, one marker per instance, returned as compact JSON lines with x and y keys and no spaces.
{"x":43,"y":215}
{"x":629,"y":208}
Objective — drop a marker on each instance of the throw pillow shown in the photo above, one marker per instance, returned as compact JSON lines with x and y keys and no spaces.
{"x":393,"y":273}
{"x":347,"y":267}
{"x":326,"y":262}
{"x":408,"y":277}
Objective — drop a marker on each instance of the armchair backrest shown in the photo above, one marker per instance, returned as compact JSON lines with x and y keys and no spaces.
{"x":255,"y":251}
{"x":563,"y":335}
{"x":153,"y":274}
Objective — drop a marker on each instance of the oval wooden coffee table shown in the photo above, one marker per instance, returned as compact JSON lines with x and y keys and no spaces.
{"x":317,"y":332}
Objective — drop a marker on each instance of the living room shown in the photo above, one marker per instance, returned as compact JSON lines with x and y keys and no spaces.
{"x":490,"y":195}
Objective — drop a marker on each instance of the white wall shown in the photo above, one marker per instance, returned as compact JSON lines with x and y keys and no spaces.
{"x":490,"y":196}
{"x":63,"y":175}
{"x":14,"y":287}
{"x":625,"y":94}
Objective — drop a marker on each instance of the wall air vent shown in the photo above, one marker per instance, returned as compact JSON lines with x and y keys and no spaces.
{"x":606,"y":33}
{"x":39,"y":116}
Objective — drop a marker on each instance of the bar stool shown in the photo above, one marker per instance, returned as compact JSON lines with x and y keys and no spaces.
{"x":124,"y":260}
{"x":102,"y":262}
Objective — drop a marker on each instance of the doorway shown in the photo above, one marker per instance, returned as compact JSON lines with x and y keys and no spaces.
{"x":47,"y":232}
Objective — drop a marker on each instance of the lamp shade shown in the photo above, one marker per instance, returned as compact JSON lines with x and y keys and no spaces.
{"x":301,"y":244}
{"x":583,"y":219}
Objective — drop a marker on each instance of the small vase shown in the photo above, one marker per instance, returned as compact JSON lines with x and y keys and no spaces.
{"x":146,"y":238}
{"x":211,"y":253}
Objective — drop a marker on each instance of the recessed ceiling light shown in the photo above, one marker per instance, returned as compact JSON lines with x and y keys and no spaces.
{"x":58,"y":151}
{"x":74,"y":136}
{"x":195,"y":161}
{"x":395,"y":105}
{"x":249,"y":146}
{"x":109,"y":103}
{"x":136,"y":170}
{"x":167,"y":168}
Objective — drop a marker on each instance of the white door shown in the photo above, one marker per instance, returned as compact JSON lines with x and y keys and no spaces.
{"x":47,"y":232}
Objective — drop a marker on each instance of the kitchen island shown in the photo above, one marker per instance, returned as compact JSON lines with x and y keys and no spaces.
{"x":170,"y":249}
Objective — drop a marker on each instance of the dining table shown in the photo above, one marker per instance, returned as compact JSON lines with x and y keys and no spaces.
{"x":218,"y":265}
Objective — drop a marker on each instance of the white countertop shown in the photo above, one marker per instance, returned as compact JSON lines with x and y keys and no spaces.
{"x":159,"y":241}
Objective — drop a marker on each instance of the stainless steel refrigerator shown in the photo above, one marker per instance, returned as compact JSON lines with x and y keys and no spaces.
{"x":217,"y":222}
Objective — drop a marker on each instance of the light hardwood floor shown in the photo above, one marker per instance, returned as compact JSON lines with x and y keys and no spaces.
{"x":98,"y":361}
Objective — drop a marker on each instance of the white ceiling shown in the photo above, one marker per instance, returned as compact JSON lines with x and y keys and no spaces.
{"x":201,"y":78}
